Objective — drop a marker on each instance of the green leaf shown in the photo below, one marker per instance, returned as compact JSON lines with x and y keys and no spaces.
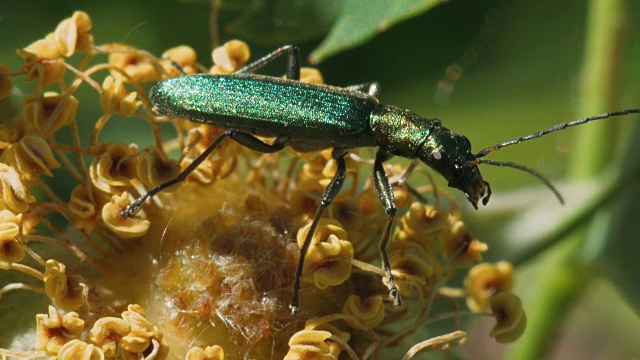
{"x":280,"y":22}
{"x":358,"y":23}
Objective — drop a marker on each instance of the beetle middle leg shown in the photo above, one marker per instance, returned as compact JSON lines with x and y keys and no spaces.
{"x":242,"y":138}
{"x":329,"y":195}
{"x":385,"y":194}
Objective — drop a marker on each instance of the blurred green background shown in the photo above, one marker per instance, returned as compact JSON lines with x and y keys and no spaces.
{"x":520,"y":67}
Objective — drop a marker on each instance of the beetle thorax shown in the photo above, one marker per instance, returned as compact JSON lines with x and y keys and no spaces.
{"x":400,"y":132}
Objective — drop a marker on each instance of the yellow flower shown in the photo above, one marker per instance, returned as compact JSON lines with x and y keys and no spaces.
{"x":184,"y":57}
{"x":117,"y":99}
{"x":42,"y":62}
{"x":214,"y":352}
{"x":11,"y":249}
{"x":411,"y":265}
{"x":47,"y":113}
{"x":229,"y":57}
{"x":66,"y":291}
{"x":113,"y":167}
{"x":127,"y":227}
{"x":459,"y":247}
{"x":136,"y":64}
{"x":154,"y":170}
{"x":79,"y":350}
{"x":84,"y":205}
{"x":15,"y":195}
{"x":328,"y":259}
{"x":73,"y":34}
{"x":312,"y":344}
{"x":107,"y":334}
{"x":31,"y":157}
{"x":484,"y":281}
{"x":511,"y":320}
{"x":311,"y":75}
{"x":215,"y":259}
{"x":54,"y":330}
{"x":370,"y":312}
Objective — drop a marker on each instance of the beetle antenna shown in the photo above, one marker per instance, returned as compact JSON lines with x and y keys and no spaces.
{"x":486,"y":151}
{"x":525,"y":169}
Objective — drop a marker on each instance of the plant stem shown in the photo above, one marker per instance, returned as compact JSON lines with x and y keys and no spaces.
{"x":565,"y":282}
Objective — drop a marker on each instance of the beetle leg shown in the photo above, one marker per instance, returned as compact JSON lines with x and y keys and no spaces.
{"x":404,"y":177}
{"x":385,"y":194}
{"x":371,"y":88}
{"x":244,"y":139}
{"x":329,"y":195}
{"x":293,"y":61}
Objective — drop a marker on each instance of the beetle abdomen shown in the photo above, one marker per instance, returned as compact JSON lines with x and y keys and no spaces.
{"x":313,"y":116}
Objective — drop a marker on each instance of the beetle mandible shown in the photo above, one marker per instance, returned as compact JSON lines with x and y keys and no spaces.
{"x":310,"y":117}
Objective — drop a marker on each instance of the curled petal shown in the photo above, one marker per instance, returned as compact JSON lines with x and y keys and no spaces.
{"x":139,"y":338}
{"x":80,"y":350}
{"x":214,"y":352}
{"x":72,"y":33}
{"x":230,"y":57}
{"x":112,"y":170}
{"x":107,"y":333}
{"x":116,"y":98}
{"x":49,"y":112}
{"x":54,"y":330}
{"x":15,"y":196}
{"x":84,"y":205}
{"x":311,"y":345}
{"x":128,"y":227}
{"x":137,"y":64}
{"x":411,"y":265}
{"x":459,"y":246}
{"x":484,"y":281}
{"x":328,"y":260}
{"x":422,"y":224}
{"x":370,"y":312}
{"x":184,"y":57}
{"x":153,"y":170}
{"x":311,"y":75}
{"x":511,"y":320}
{"x":66,"y":291}
{"x":31,"y":157}
{"x":315,"y":168}
{"x":11,"y":249}
{"x":42,"y":62}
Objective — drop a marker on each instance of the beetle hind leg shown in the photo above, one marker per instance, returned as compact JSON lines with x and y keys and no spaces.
{"x":329,"y":195}
{"x":242,"y":138}
{"x":370,"y":88}
{"x":293,"y":61}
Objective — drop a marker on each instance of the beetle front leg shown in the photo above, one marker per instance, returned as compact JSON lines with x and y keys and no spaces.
{"x":329,"y":195}
{"x":244,"y":139}
{"x":385,"y":194}
{"x":293,"y":61}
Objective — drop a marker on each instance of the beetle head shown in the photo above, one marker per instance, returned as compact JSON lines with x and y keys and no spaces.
{"x":450,"y":154}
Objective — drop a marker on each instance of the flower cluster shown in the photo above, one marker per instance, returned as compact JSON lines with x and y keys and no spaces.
{"x":212,"y":260}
